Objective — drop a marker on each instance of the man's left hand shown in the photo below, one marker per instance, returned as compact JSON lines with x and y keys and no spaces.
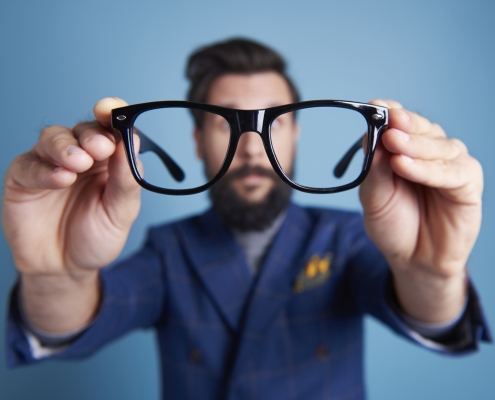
{"x":422,"y":208}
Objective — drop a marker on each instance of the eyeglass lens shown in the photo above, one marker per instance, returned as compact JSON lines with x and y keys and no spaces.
{"x":169,"y":152}
{"x":323,"y":136}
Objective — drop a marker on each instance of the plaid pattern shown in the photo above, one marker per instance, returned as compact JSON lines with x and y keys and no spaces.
{"x":224,"y":334}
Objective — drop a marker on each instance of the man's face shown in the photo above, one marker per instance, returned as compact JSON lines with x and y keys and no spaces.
{"x":253,"y":91}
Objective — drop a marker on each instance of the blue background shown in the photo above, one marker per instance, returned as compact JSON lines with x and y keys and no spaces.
{"x":58,"y":57}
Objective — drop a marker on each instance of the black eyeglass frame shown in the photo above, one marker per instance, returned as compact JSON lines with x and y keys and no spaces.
{"x":242,"y":121}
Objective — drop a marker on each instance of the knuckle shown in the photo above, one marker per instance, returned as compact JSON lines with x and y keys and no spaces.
{"x":438,"y":130}
{"x":26,"y":161}
{"x":18,"y":165}
{"x":379,"y":102}
{"x":473,"y":173}
{"x":59,"y":143}
{"x":421,"y":124}
{"x":52,"y":130}
{"x":393,"y":104}
{"x":459,"y":151}
{"x":79,"y":129}
{"x":475,"y":167}
{"x":83,"y":125}
{"x":458,"y":146}
{"x":53,"y":135}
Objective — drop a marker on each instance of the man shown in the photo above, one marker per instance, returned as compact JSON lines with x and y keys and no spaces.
{"x":228,"y":291}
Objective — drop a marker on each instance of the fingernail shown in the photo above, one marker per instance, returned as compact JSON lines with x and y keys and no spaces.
{"x":97,"y":136}
{"x":57,"y":168}
{"x":407,"y":159}
{"x":403,"y":135}
{"x":73,"y":150}
{"x":107,"y":99}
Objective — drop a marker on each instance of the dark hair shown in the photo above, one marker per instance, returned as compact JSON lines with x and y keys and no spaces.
{"x":236,"y":55}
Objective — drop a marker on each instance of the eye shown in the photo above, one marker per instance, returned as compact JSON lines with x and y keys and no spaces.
{"x":220,"y":124}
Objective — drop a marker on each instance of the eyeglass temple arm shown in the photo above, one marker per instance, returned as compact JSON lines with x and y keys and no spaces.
{"x":344,"y":162}
{"x":148,"y":145}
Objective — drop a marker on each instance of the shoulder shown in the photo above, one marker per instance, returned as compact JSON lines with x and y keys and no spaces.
{"x":173,"y":225}
{"x":191,"y":226}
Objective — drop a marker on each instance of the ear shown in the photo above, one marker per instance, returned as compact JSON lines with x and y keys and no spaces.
{"x":199,"y":143}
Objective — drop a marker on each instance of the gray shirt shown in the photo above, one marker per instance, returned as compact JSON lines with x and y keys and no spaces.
{"x":255,"y":243}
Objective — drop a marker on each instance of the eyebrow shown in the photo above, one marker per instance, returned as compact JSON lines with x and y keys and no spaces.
{"x":232,"y":105}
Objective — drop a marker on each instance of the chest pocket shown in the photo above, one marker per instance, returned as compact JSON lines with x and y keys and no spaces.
{"x":316,"y":273}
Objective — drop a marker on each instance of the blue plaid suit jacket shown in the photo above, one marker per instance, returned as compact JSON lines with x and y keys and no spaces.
{"x":225,"y":334}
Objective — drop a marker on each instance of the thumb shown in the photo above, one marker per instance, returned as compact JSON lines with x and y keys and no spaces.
{"x":122,"y":193}
{"x":379,"y":186}
{"x":103,"y":109}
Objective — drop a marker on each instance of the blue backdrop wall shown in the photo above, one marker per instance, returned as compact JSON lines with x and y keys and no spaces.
{"x":437,"y":57}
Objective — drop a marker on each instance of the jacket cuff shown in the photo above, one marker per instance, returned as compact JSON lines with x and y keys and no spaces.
{"x":463,"y":337}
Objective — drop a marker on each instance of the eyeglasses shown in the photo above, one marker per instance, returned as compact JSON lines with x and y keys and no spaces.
{"x":313,"y":146}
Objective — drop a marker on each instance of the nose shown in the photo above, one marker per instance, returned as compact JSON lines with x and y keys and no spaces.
{"x":250,"y":147}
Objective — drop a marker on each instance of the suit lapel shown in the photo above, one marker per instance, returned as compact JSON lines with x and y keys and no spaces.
{"x":219,"y":263}
{"x":277,"y":273}
{"x":274,"y":287}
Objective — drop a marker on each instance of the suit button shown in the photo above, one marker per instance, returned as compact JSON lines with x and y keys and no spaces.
{"x":321,"y":351}
{"x":195,"y":355}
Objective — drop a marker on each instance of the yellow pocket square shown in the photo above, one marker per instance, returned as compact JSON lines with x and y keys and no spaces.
{"x":316,"y":273}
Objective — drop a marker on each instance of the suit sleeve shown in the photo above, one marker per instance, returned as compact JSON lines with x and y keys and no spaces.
{"x":372,"y":290}
{"x":133,"y":296}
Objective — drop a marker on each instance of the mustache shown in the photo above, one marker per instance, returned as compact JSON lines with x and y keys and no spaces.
{"x":246,"y":170}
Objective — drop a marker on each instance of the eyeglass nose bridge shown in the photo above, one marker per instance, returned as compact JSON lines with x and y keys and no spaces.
{"x":250,"y":121}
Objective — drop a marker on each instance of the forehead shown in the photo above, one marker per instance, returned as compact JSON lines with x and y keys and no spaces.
{"x":249,"y":91}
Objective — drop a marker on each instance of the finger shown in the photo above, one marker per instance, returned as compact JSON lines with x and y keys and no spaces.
{"x":57,"y":145}
{"x":98,"y":142}
{"x":422,"y":147}
{"x":402,"y":119}
{"x":413,"y":123}
{"x":442,"y":174}
{"x":137,"y":143}
{"x":28,"y":171}
{"x":103,"y":109}
{"x":390,"y":104}
{"x":408,"y":121}
{"x":378,"y":186}
{"x":122,"y":192}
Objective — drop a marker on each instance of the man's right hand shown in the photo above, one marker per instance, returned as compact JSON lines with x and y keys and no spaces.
{"x":68,"y":206}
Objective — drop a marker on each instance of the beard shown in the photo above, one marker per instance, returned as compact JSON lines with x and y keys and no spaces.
{"x":242,"y":215}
